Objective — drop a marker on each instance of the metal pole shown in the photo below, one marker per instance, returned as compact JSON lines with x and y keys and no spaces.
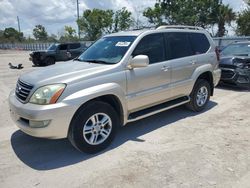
{"x":77,"y":6}
{"x":18,"y":24}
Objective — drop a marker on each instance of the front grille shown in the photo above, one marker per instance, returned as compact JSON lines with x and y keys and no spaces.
{"x":227,"y":73}
{"x":23,"y":90}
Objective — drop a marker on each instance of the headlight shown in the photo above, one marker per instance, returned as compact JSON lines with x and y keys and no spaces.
{"x":47,"y":94}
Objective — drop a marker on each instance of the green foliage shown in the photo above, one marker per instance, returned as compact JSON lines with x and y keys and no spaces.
{"x":202,"y":13}
{"x":11,"y":35}
{"x":40,"y":33}
{"x":154,"y":15}
{"x":52,"y":38}
{"x":94,"y":23}
{"x":122,"y":20}
{"x":243,"y":23}
{"x":224,"y":15}
{"x":69,"y":35}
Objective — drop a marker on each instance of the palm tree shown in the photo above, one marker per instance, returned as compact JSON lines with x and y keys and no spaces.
{"x":225,"y":15}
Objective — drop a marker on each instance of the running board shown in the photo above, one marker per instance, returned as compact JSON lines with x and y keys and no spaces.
{"x":157,"y":109}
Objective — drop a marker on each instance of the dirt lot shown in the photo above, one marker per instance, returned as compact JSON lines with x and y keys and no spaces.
{"x":176,"y":148}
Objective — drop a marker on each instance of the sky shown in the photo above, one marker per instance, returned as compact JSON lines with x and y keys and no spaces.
{"x":55,"y":14}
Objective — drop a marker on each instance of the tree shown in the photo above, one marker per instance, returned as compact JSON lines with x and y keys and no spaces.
{"x":94,"y":22}
{"x":243,"y":24}
{"x":69,"y":34}
{"x":52,"y":38}
{"x":12,"y":35}
{"x":225,"y":15}
{"x":40,"y":33}
{"x":122,"y":20}
{"x":202,"y":13}
{"x":154,"y":15}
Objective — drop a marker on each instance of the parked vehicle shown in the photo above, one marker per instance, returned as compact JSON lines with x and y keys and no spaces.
{"x":121,"y":78}
{"x":235,"y":64}
{"x":57,"y":52}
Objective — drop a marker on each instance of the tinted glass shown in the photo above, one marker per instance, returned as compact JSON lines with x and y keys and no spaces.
{"x":237,"y":49}
{"x":199,"y":42}
{"x":179,"y":45}
{"x":63,"y":47}
{"x":152,"y":46}
{"x":52,"y":47}
{"x":74,"y":45}
{"x":108,"y":49}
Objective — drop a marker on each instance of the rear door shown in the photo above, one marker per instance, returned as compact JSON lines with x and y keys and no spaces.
{"x":183,"y":62}
{"x":75,"y":49}
{"x":149,"y":85}
{"x":62,"y":52}
{"x":187,"y":52}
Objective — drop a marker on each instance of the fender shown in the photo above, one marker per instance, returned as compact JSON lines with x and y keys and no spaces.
{"x":200,"y":70}
{"x":90,"y":93}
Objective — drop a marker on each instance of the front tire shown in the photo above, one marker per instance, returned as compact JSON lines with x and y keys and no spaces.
{"x":93,"y":127}
{"x":200,"y":95}
{"x":49,"y":61}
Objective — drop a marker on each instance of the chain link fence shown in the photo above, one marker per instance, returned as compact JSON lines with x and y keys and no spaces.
{"x":219,"y":41}
{"x":32,"y":46}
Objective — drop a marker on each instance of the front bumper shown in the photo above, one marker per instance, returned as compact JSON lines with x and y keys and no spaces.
{"x":239,"y":77}
{"x":58,"y":115}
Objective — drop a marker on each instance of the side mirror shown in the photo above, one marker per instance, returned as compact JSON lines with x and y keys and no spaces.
{"x":139,"y":61}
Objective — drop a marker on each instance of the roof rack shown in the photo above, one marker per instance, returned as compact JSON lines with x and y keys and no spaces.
{"x":179,"y":27}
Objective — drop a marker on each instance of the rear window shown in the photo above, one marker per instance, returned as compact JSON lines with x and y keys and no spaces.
{"x":74,"y":45}
{"x":179,"y":45}
{"x":63,"y":47}
{"x":199,"y":43}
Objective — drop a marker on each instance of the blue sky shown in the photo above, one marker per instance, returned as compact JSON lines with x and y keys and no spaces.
{"x":54,"y":14}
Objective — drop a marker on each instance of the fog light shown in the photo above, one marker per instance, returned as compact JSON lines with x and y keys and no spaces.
{"x":39,"y":124}
{"x":243,"y":80}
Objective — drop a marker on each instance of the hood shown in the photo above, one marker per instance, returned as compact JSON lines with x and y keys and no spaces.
{"x":234,"y":60}
{"x":228,"y":60}
{"x":66,"y":72}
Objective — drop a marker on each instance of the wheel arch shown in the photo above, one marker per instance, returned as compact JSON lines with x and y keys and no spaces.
{"x":110,"y":99}
{"x":209,"y":77}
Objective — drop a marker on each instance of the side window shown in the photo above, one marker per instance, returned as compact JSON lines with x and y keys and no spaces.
{"x":74,"y":45}
{"x":153,"y":46}
{"x":179,"y":45}
{"x":63,"y":47}
{"x":199,"y":43}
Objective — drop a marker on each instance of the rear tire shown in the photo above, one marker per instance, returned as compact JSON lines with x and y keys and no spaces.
{"x":199,"y":96}
{"x":93,"y":127}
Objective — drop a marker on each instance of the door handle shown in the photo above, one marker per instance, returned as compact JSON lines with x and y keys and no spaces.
{"x":165,"y":68}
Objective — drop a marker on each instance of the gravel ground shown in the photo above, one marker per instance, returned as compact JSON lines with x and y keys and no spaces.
{"x":176,"y":148}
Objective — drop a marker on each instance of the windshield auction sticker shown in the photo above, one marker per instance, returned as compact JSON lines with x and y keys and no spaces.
{"x":123,"y":44}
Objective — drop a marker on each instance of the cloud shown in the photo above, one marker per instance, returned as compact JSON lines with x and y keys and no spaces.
{"x":57,"y":13}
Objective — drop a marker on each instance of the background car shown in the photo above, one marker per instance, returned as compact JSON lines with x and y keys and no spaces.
{"x":235,"y":64}
{"x":57,"y":52}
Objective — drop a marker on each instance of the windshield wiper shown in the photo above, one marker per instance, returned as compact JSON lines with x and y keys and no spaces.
{"x":77,"y":59}
{"x":96,"y":61}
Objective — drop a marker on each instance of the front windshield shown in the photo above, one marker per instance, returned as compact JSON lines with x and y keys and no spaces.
{"x":237,"y":49}
{"x":52,"y":47}
{"x":108,"y":50}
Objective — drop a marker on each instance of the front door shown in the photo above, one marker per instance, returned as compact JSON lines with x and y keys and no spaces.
{"x":149,"y":85}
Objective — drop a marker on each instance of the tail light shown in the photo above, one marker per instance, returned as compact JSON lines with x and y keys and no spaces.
{"x":217,"y":51}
